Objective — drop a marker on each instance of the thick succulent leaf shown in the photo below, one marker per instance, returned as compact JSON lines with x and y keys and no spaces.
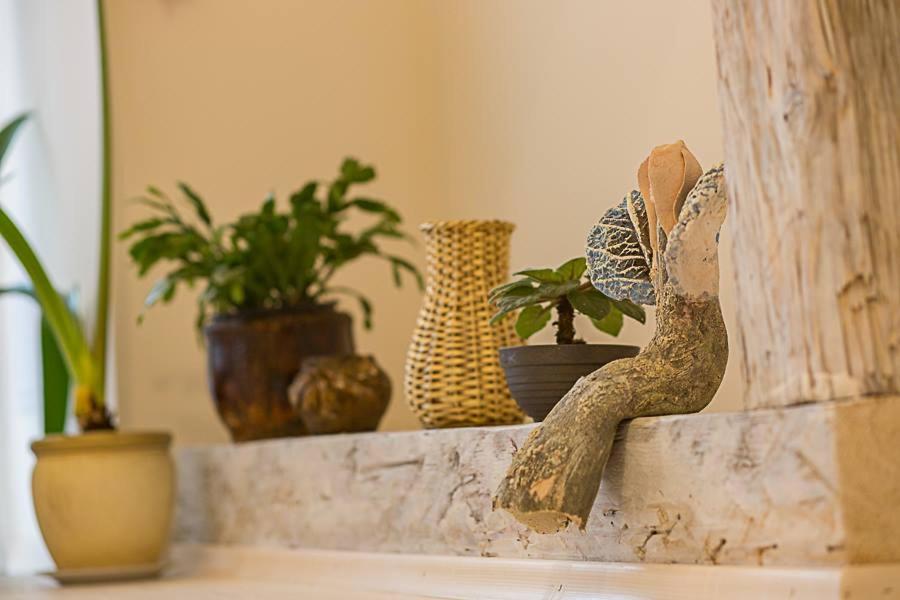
{"x":617,"y":262}
{"x":520,"y":291}
{"x":573,"y":269}
{"x":631,"y":309}
{"x":590,"y":302}
{"x":509,"y":304}
{"x":518,"y":298}
{"x":507,"y":288}
{"x":531,"y":320}
{"x":557,"y":290}
{"x":611,"y":323}
{"x":542,"y":275}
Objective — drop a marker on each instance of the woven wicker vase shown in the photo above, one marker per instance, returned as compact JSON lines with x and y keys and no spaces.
{"x":453,"y":375}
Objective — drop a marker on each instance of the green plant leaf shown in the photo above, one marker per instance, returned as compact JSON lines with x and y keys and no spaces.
{"x":353,"y":171}
{"x":573,"y":269}
{"x":542,"y":275}
{"x":519,"y":297}
{"x":64,"y":325}
{"x":145,"y":225}
{"x":531,"y":320}
{"x":518,"y":292}
{"x":197,"y":202}
{"x":590,"y":302}
{"x":236,"y":293}
{"x":371,"y":205}
{"x":156,"y":204}
{"x":630,"y":309}
{"x":155,"y":191}
{"x":23,"y":290}
{"x":399,"y":264}
{"x":163,"y":290}
{"x":611,"y":323}
{"x":304,"y":199}
{"x":364,"y":304}
{"x":56,"y":381}
{"x":9,"y":132}
{"x":269,"y":258}
{"x":510,"y":304}
{"x":508,"y":288}
{"x":557,"y":290}
{"x":55,"y":375}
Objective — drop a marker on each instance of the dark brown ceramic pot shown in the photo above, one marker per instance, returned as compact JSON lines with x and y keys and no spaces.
{"x":539,"y":376}
{"x":253,"y":358}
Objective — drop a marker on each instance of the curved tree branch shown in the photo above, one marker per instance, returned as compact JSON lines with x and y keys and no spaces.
{"x":554,"y":478}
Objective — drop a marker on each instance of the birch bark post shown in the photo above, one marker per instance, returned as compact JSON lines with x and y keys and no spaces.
{"x":810,"y":99}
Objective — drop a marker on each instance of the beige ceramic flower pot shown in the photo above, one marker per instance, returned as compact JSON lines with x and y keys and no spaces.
{"x":104,"y":499}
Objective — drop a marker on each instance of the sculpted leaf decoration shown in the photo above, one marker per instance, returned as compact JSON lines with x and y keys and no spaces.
{"x":619,"y":252}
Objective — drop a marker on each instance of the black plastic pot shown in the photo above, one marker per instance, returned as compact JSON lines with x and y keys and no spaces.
{"x":539,"y":376}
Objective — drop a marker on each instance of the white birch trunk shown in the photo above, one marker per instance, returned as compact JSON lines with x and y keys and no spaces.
{"x":810,"y":99}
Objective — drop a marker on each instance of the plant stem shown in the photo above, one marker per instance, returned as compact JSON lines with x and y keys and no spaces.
{"x":565,"y":322}
{"x":101,"y":323}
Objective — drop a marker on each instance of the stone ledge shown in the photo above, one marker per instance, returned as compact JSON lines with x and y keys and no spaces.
{"x":757,"y":488}
{"x":211,"y":572}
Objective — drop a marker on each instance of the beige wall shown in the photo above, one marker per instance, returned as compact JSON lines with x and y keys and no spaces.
{"x":530,"y":111}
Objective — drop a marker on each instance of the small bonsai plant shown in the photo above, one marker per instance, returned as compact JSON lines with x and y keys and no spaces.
{"x":566,"y":290}
{"x":539,"y":376}
{"x":268,"y":259}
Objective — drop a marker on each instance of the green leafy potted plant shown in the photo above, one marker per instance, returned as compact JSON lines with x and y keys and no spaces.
{"x":103,"y":499}
{"x":268,"y":299}
{"x":539,"y":376}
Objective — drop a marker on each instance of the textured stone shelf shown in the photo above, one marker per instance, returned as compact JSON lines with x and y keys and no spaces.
{"x":780,"y":486}
{"x":213,"y":572}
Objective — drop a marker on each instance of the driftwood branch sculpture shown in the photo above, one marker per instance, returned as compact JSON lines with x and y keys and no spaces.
{"x":658,"y":246}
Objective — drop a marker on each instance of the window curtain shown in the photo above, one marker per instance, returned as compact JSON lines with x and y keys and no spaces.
{"x":51,"y":187}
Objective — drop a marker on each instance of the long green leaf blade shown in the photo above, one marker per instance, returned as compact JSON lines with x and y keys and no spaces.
{"x":9,"y":132}
{"x":54,"y":371}
{"x":56,"y":381}
{"x":63,"y":324}
{"x":197,"y":202}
